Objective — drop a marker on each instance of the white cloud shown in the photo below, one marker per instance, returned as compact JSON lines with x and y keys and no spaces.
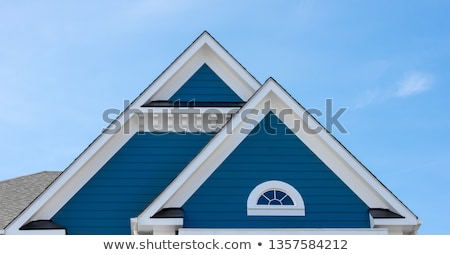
{"x":368,"y":97}
{"x":413,"y":83}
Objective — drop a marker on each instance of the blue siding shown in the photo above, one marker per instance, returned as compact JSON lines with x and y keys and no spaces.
{"x":273,"y":152}
{"x":205,"y":86}
{"x":129,"y":182}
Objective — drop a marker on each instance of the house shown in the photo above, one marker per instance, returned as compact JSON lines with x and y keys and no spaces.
{"x":207,"y":149}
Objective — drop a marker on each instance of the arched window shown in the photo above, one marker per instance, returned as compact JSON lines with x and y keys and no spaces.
{"x":275,"y":198}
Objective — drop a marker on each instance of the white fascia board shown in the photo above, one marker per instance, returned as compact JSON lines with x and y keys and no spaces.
{"x":74,"y":177}
{"x":159,"y":221}
{"x":284,"y":231}
{"x":200,"y":168}
{"x":2,"y":231}
{"x":165,"y":226}
{"x":38,"y":232}
{"x":78,"y":173}
{"x":338,"y":158}
{"x":403,"y":225}
{"x":234,"y":65}
{"x":394,"y":221}
{"x":193,"y":110}
{"x":323,"y":144}
{"x":203,"y":50}
{"x":399,"y":229}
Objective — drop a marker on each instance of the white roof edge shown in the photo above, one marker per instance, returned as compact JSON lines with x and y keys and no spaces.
{"x":362,"y":170}
{"x":282,"y":231}
{"x":204,"y":39}
{"x":379,"y":197}
{"x":103,"y":139}
{"x":60,"y":182}
{"x":357,"y":165}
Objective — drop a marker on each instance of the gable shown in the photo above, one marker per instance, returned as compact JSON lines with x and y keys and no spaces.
{"x":126,"y":176}
{"x":204,"y":50}
{"x":329,"y":154}
{"x":272,"y":152}
{"x":205,"y":86}
{"x":128,"y":182}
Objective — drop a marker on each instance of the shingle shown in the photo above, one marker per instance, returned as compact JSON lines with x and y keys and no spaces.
{"x":18,"y":193}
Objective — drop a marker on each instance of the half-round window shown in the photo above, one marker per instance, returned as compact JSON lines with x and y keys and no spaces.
{"x":275,"y":198}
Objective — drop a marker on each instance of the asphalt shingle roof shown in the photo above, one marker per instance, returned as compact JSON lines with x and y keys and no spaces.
{"x":18,"y":193}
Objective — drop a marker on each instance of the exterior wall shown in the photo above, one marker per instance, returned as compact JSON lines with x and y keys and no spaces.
{"x":273,"y":152}
{"x":205,"y":86}
{"x":129,"y":182}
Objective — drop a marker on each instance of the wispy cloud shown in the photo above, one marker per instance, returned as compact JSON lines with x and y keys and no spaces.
{"x":414,"y":83}
{"x":370,"y":97}
{"x":411,"y":84}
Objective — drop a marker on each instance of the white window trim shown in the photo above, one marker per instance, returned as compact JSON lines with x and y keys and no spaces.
{"x":253,"y":209}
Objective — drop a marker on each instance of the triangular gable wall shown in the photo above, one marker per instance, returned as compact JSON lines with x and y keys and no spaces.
{"x":272,"y":152}
{"x":205,"y":86}
{"x":205,"y":49}
{"x":123,"y":187}
{"x":272,"y":97}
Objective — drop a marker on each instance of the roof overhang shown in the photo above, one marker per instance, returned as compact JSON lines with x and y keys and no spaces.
{"x":205,"y":49}
{"x":272,"y":97}
{"x":283,"y":231}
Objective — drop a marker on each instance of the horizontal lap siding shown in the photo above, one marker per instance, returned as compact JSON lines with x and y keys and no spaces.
{"x":129,"y":182}
{"x":205,"y":86}
{"x":274,"y":153}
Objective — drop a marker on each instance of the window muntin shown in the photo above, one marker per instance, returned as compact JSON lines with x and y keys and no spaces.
{"x":275,"y":197}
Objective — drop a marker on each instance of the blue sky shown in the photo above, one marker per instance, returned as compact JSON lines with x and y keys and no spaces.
{"x":387,"y":62}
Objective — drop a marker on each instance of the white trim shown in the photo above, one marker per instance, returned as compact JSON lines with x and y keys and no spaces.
{"x":2,"y":231}
{"x":158,"y":226}
{"x":283,"y":231}
{"x":39,"y":232}
{"x":73,"y":178}
{"x":184,"y":121}
{"x":323,"y":144}
{"x":270,"y":210}
{"x":253,"y":209}
{"x":191,"y":110}
{"x":398,"y":226}
{"x":203,"y":49}
{"x":393,"y":221}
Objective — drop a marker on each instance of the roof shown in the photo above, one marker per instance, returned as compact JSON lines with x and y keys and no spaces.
{"x":204,"y":50}
{"x":272,"y":96}
{"x":18,"y":193}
